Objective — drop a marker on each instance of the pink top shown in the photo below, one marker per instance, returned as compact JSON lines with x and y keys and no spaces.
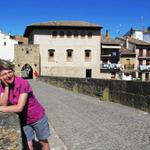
{"x":33,"y":110}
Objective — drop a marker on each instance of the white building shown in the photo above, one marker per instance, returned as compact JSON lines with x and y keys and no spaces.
{"x":140,"y":34}
{"x":7,"y":47}
{"x":70,"y":49}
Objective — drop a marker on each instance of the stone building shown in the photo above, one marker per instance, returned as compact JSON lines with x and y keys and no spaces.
{"x":27,"y":60}
{"x":142,"y":58}
{"x":70,"y":49}
{"x":110,"y":61}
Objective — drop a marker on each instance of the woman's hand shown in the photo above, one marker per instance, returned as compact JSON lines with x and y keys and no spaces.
{"x":3,"y":81}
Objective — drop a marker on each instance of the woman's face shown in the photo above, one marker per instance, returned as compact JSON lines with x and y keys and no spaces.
{"x":7,"y":76}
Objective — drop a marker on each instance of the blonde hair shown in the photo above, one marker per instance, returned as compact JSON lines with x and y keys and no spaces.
{"x":5,"y":64}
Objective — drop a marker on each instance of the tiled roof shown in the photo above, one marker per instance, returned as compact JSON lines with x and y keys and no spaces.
{"x":108,"y":40}
{"x":125,"y":51}
{"x":19,"y":38}
{"x":61,"y":24}
{"x":66,"y":23}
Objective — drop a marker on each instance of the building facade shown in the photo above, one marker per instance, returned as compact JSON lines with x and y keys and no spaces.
{"x":7,"y":46}
{"x":70,"y":49}
{"x":140,"y":34}
{"x":110,"y":57}
{"x":142,"y":56}
{"x":27,"y":60}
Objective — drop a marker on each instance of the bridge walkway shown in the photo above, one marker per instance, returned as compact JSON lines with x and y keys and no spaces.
{"x":81,"y":122}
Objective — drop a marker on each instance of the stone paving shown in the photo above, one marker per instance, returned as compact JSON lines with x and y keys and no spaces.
{"x":81,"y":122}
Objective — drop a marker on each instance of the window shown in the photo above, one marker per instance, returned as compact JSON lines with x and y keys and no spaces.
{"x":147,"y":76}
{"x":140,"y":62}
{"x":83,"y":34}
{"x":88,"y":73}
{"x":148,"y":53}
{"x":89,"y":34}
{"x":68,"y":34}
{"x":51,"y":54}
{"x":113,"y":75}
{"x":4,"y":43}
{"x":147,"y":62}
{"x":62,"y":34}
{"x":76,"y":34}
{"x":140,"y":52}
{"x":54,"y":34}
{"x":69,"y":54}
{"x":87,"y":55}
{"x":140,"y":75}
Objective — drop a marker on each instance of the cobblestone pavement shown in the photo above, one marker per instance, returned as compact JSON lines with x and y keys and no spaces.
{"x":81,"y":122}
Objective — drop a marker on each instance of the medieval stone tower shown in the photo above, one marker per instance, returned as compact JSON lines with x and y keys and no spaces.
{"x":27,"y":60}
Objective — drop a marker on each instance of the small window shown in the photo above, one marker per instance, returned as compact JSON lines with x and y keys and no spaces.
{"x":69,"y":54}
{"x":147,"y":53}
{"x":51,"y":54}
{"x":87,"y":55}
{"x":88,"y":73}
{"x":76,"y":34}
{"x":140,"y":62}
{"x":147,"y":76}
{"x":62,"y":34}
{"x":140,"y":75}
{"x":68,"y":34}
{"x":4,"y":43}
{"x":140,"y":52}
{"x":54,"y":34}
{"x":83,"y":34}
{"x":89,"y":34}
{"x":147,"y":62}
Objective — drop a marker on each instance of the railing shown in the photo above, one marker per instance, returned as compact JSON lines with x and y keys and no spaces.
{"x":110,"y":66}
{"x":144,"y":67}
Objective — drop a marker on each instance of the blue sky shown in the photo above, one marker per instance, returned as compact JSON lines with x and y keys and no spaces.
{"x":116,"y":16}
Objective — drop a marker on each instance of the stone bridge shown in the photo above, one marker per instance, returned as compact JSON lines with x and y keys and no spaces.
{"x":83,"y":122}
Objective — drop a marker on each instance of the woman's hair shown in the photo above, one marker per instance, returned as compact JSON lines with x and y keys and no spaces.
{"x":5,"y":64}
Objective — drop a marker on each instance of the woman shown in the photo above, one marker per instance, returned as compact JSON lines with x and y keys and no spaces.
{"x":16,"y":95}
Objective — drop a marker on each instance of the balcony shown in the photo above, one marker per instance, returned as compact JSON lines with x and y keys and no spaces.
{"x":144,"y":68}
{"x":141,"y":57}
{"x":110,"y":67}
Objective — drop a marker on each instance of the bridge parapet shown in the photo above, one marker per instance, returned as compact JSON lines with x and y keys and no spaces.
{"x":131,"y":93}
{"x":10,"y":133}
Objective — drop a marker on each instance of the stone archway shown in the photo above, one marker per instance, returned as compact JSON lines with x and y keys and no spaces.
{"x":27,"y":72}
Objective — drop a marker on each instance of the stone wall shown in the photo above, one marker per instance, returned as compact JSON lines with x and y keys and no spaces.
{"x":131,"y":93}
{"x":10,"y":133}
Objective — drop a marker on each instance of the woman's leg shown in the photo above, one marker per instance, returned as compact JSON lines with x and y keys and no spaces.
{"x":30,"y":145}
{"x":44,"y":144}
{"x":42,"y":131}
{"x":28,"y":137}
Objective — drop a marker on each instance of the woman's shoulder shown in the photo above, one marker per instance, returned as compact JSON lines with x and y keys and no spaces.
{"x":20,"y":80}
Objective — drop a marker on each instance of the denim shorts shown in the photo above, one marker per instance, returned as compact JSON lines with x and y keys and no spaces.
{"x":38,"y":130}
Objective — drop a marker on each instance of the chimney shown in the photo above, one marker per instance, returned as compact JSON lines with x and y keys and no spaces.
{"x":107,"y":34}
{"x":127,"y":43}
